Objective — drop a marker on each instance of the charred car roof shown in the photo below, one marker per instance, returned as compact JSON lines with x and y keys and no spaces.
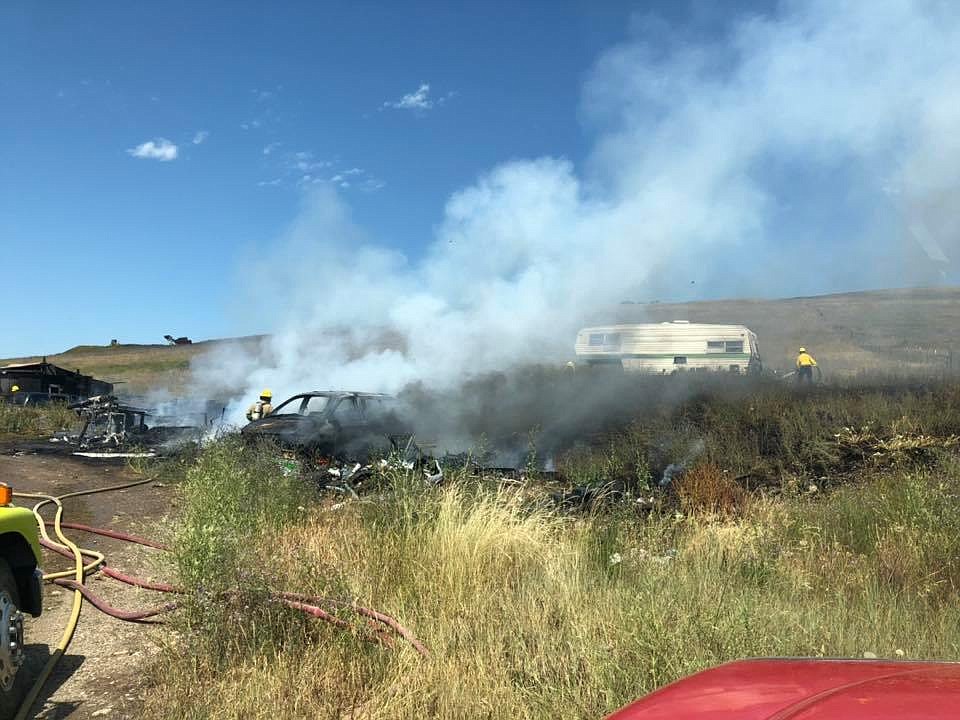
{"x":342,"y":394}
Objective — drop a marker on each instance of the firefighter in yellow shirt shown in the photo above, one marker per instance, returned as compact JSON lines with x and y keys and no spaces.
{"x":262,"y":407}
{"x":805,"y":366}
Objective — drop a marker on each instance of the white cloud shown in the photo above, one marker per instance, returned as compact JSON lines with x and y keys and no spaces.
{"x":157,"y":149}
{"x":419,"y":100}
{"x":340,"y":181}
{"x":360,"y":179}
{"x":302,"y":169}
{"x":200,"y":136}
{"x":304,"y":162}
{"x":372,"y":185}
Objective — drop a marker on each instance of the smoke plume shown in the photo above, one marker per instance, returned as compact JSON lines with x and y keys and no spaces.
{"x":796,"y":153}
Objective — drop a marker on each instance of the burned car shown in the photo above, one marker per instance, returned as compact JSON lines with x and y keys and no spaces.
{"x":336,"y":424}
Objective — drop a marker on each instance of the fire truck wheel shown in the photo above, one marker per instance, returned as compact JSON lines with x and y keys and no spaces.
{"x":13,"y":680}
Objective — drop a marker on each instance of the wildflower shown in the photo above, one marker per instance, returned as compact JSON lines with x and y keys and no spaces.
{"x":899,"y":653}
{"x":616,"y":559}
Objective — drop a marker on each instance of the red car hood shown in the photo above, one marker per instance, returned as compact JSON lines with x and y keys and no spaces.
{"x":807,"y":690}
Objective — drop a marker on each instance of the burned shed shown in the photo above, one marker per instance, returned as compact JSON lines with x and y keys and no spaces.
{"x":44,"y":378}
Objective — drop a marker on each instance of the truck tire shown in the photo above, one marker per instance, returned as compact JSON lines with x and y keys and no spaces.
{"x":13,"y":684}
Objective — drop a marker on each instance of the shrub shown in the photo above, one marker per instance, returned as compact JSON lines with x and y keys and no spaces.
{"x":707,"y":488}
{"x":232,"y":495}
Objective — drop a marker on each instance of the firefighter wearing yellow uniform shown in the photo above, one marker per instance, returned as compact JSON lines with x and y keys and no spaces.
{"x":262,"y":407}
{"x":805,"y":366}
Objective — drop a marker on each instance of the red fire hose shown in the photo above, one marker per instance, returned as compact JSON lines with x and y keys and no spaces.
{"x":103,"y":606}
{"x":304,"y":603}
{"x":116,"y":534}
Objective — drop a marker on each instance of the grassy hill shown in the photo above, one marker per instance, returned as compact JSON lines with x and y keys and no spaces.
{"x":138,"y":367}
{"x":879,"y":330}
{"x":847,"y":332}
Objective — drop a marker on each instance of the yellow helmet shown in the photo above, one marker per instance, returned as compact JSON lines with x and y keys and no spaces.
{"x":15,"y":388}
{"x":803,"y":349}
{"x":266,"y":394}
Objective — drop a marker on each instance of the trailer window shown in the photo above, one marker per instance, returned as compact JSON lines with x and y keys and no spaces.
{"x":680,"y":360}
{"x":734,"y":346}
{"x":715,"y":346}
{"x":604,"y":339}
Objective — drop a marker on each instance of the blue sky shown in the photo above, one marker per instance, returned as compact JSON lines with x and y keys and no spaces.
{"x":111,"y":245}
{"x":151,"y":151}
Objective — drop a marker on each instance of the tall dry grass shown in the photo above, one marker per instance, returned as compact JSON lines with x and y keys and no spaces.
{"x":35,"y":421}
{"x":529,"y":613}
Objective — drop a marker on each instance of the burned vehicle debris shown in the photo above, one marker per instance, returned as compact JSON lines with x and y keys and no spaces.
{"x":111,"y":426}
{"x":336,"y":424}
{"x":108,"y":422}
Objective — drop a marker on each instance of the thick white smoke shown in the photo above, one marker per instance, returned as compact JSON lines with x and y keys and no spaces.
{"x":793,"y":153}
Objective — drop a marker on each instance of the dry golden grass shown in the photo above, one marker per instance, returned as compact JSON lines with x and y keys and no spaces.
{"x":530,"y":614}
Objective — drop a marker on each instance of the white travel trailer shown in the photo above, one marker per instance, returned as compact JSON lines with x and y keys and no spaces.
{"x":669,"y":347}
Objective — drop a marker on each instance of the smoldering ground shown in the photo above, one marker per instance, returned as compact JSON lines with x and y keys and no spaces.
{"x":530,"y":416}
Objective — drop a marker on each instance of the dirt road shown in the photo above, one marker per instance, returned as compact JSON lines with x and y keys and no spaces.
{"x":102,"y":674}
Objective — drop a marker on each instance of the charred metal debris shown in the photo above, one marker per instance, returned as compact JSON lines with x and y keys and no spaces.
{"x":111,"y":428}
